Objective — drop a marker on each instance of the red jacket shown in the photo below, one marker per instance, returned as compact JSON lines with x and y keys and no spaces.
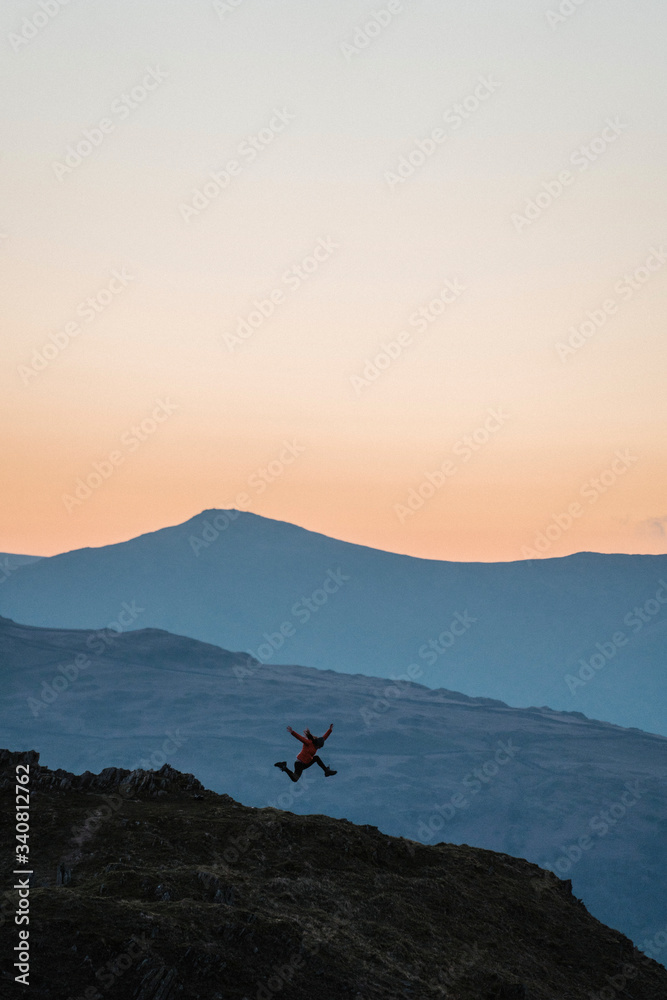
{"x":309,"y":749}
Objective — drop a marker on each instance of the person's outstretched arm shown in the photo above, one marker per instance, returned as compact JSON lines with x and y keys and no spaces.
{"x":328,"y":732}
{"x":296,"y":735}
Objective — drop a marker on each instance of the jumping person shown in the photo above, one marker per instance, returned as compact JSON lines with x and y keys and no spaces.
{"x":308,"y":754}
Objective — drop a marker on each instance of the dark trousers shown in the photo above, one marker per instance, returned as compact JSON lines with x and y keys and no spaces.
{"x":299,"y":766}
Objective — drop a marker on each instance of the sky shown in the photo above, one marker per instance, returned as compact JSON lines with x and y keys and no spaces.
{"x":392,"y":271}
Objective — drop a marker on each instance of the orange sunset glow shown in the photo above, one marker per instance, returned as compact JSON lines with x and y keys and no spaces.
{"x":407,"y":291}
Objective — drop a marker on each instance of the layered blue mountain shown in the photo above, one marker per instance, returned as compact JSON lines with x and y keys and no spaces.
{"x":586,"y":632}
{"x":584,"y":798}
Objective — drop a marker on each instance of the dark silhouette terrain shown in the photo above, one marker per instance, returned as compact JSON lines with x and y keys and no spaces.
{"x":148,"y":886}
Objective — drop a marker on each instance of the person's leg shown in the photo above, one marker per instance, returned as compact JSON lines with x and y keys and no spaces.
{"x":293,"y":775}
{"x":299,"y":766}
{"x":327,"y":770}
{"x":296,"y":773}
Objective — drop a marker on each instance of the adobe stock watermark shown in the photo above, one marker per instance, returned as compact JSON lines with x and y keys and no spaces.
{"x":292,"y":279}
{"x":563,"y":12}
{"x":87,"y":310}
{"x":121,"y":109}
{"x":592,"y":490}
{"x":247,"y":152}
{"x":98,"y":643}
{"x":607,"y":650}
{"x":108,"y":974}
{"x":553,"y":188}
{"x":617,"y":984}
{"x":454,"y":117}
{"x":626,"y":288}
{"x":33,"y":24}
{"x":6,"y":569}
{"x":258,"y":481}
{"x":653,"y":946}
{"x":391,"y":350}
{"x":429,"y":652}
{"x":366,"y":32}
{"x":464,"y":449}
{"x":282,"y":975}
{"x":470,"y":955}
{"x":223,"y":7}
{"x":236,"y":847}
{"x":130,"y":441}
{"x":303,"y":610}
{"x":474,"y":782}
{"x":628,"y":971}
{"x":603,"y":823}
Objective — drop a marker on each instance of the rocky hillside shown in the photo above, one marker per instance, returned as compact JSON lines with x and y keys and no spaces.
{"x":147,"y":886}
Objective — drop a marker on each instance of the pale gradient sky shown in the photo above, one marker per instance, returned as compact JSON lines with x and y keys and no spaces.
{"x":162,"y":337}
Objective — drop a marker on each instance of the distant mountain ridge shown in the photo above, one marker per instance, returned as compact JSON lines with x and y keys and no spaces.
{"x":584,"y":798}
{"x":10,"y":562}
{"x":585,"y":633}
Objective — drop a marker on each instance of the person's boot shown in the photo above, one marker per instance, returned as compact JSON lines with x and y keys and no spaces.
{"x":328,"y":772}
{"x":282,"y":764}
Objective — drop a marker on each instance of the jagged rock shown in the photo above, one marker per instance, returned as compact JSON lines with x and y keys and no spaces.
{"x":150,"y":783}
{"x":63,"y":875}
{"x":9,"y":758}
{"x":157,"y":984}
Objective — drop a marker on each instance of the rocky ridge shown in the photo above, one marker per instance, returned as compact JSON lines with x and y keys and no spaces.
{"x":148,"y":885}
